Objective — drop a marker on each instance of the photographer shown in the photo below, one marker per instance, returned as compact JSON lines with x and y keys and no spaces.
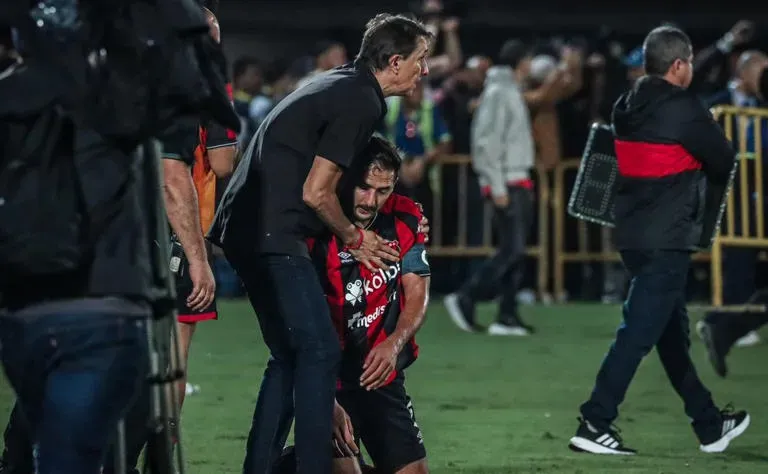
{"x":76,"y":212}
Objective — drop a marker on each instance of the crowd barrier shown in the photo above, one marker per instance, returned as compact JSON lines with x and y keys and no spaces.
{"x":539,"y":252}
{"x":744,"y":220}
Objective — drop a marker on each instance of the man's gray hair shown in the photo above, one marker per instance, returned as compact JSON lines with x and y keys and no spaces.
{"x":662,"y":47}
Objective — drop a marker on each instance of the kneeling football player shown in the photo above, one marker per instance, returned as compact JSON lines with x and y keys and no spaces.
{"x":376,"y":314}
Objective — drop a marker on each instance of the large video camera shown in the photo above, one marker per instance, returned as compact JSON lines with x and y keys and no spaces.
{"x":127,"y":68}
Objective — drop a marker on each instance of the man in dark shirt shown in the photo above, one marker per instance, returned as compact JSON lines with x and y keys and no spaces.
{"x":667,"y":147}
{"x":284,"y":192}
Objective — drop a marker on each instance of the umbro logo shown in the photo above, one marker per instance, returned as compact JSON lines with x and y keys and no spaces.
{"x":346,"y":258}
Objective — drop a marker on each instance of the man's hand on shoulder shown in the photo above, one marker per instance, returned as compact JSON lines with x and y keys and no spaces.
{"x":372,"y":250}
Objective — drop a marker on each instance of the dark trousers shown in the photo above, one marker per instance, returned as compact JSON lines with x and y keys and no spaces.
{"x":300,"y":377}
{"x":732,"y":327}
{"x":739,"y":275}
{"x":75,"y":375}
{"x":654,"y":315}
{"x":503,"y":272}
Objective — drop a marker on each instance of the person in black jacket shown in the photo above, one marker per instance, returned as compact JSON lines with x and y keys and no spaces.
{"x":667,"y":148}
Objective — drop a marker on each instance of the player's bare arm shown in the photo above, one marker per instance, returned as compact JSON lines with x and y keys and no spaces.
{"x":319,"y":194}
{"x":222,"y":160}
{"x":381,"y":361}
{"x":183,"y":215}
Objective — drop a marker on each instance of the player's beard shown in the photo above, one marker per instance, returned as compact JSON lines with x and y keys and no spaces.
{"x":364,"y":215}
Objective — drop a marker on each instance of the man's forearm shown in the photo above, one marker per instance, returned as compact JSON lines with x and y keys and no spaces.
{"x":416,"y":295}
{"x":182,"y":209}
{"x":328,"y":209}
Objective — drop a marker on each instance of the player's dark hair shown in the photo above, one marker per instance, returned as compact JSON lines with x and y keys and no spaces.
{"x":662,"y":47}
{"x":512,"y":52}
{"x":381,"y":153}
{"x":387,"y":35}
{"x":242,"y":64}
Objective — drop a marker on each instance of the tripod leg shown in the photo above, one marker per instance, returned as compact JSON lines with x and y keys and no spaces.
{"x":119,"y":448}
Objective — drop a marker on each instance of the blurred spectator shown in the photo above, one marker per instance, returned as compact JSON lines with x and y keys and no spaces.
{"x":715,"y":64}
{"x":284,"y":79}
{"x":634,"y":63}
{"x":250,"y":102}
{"x":549,"y":82}
{"x":328,"y":55}
{"x":458,"y":99}
{"x":447,"y":55}
{"x":416,"y":126}
{"x":502,"y":155}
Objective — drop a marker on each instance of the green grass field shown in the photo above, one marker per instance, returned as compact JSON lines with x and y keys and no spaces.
{"x":491,"y":405}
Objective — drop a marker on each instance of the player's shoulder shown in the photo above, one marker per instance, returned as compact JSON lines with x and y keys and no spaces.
{"x":398,"y":204}
{"x":405,"y":210}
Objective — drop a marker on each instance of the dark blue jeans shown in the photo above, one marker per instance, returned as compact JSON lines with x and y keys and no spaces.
{"x":300,"y":377}
{"x":75,"y":375}
{"x":654,"y":316}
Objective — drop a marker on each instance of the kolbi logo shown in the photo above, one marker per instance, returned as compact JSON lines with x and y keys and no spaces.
{"x":381,"y":278}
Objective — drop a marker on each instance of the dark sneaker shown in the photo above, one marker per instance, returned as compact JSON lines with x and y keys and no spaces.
{"x":462,"y":312}
{"x":734,"y":424}
{"x":717,"y":346}
{"x":589,"y":439}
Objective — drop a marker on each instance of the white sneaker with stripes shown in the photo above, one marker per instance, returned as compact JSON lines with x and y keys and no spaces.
{"x":589,"y":439}
{"x":734,"y":424}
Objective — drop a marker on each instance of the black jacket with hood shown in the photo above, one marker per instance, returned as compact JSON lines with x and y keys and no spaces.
{"x":667,"y":146}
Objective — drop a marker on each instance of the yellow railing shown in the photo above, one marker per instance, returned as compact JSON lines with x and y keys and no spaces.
{"x":540,"y":251}
{"x":747,"y":197}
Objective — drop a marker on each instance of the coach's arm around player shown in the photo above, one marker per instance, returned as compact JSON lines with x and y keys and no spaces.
{"x":319,"y":193}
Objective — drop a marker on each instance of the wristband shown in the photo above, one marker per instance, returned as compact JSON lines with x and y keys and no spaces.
{"x":359,"y":242}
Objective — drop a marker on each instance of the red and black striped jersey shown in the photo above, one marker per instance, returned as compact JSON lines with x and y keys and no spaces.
{"x":365,"y":306}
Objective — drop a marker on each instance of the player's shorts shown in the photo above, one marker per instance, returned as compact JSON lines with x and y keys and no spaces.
{"x":184,"y":288}
{"x":384,"y":420}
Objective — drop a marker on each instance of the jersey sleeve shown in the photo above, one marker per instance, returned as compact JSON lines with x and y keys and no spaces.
{"x":218,"y":136}
{"x":415,"y":261}
{"x":180,"y":141}
{"x":348,"y":130}
{"x":413,"y":251}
